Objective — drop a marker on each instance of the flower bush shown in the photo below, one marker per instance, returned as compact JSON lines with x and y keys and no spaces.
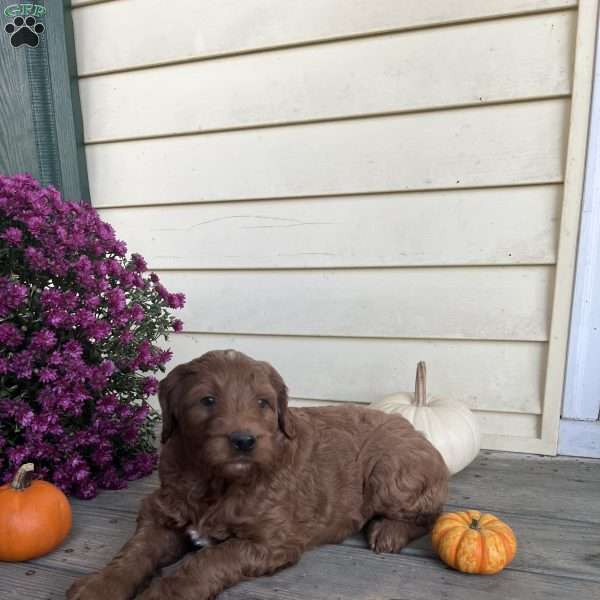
{"x":78,"y":322}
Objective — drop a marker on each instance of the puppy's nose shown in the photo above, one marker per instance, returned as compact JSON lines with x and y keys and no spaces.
{"x":242,"y":441}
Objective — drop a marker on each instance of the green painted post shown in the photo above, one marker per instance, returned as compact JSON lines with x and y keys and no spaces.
{"x":40,"y":116}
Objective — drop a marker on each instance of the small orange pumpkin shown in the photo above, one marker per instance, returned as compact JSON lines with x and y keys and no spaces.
{"x":474,"y":543}
{"x":35,"y":517}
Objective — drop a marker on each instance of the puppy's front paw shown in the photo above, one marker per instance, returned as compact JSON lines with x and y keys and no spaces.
{"x":96,"y":586}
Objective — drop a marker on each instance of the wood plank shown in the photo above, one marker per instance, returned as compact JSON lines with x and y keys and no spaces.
{"x":460,"y":148}
{"x":579,"y":121}
{"x":361,"y":370}
{"x":377,"y":577}
{"x":95,"y":538}
{"x":535,"y":487}
{"x":351,"y":572}
{"x":547,"y":545}
{"x":550,"y":542}
{"x":560,"y":467}
{"x":106,"y":41}
{"x":490,"y":422}
{"x":501,"y":226}
{"x":472,"y":303}
{"x":22,"y":581}
{"x":413,"y":577}
{"x":533,"y":58}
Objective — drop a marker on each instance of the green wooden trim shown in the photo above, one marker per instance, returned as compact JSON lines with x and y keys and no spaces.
{"x":40,"y":119}
{"x":42,"y":112}
{"x":17,"y":142}
{"x":65,"y":90}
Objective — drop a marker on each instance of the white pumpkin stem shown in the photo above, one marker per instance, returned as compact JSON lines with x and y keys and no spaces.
{"x":420,"y":384}
{"x":22,"y":479}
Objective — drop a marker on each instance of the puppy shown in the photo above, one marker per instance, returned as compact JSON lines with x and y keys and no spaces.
{"x":260,"y":483}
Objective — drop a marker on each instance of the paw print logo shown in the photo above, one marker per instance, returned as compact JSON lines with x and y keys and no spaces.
{"x":24,"y":31}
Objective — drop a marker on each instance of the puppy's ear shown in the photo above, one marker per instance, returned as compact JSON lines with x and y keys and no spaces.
{"x":166,"y":390}
{"x":284,"y":417}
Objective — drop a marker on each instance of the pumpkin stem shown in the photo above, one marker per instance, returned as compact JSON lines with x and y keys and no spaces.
{"x":22,"y":480}
{"x":420,"y":390}
{"x":474,"y":524}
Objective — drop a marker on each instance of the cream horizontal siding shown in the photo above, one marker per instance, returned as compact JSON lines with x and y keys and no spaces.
{"x":472,"y":303}
{"x":345,"y":189}
{"x":133,"y":33}
{"x":451,"y":227}
{"x":484,"y":146}
{"x":391,"y":73}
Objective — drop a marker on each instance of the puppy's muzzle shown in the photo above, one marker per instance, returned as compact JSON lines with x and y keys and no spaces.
{"x":242,"y":441}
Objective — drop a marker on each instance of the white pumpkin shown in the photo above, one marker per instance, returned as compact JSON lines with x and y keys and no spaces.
{"x":448,"y":424}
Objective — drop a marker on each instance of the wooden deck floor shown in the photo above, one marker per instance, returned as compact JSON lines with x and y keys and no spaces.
{"x":553,"y":504}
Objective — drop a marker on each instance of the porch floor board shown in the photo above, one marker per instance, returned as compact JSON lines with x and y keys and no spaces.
{"x":553,"y":505}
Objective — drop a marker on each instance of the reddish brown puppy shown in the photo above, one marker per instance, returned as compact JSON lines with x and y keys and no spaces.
{"x":262,"y":483}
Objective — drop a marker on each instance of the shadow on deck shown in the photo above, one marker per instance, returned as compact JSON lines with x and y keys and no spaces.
{"x":553,"y":505}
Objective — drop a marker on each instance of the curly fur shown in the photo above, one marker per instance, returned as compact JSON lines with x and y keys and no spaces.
{"x":315,"y":476}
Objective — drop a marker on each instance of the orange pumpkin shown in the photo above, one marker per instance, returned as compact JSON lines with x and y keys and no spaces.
{"x":35,"y":517}
{"x":474,"y":543}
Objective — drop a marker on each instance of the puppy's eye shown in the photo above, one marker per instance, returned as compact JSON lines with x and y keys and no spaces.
{"x":208,"y":401}
{"x":264,"y":403}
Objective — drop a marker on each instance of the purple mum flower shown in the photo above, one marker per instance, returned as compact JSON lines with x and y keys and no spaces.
{"x":116,"y":300}
{"x":72,"y":349}
{"x":45,"y":339}
{"x":85,"y":318}
{"x":10,"y":335}
{"x":150,"y":386}
{"x":72,"y":306}
{"x":47,"y":375}
{"x":13,"y":235}
{"x":137,"y":313}
{"x":21,"y":364}
{"x":126,"y":337}
{"x":93,"y":302}
{"x":51,"y":298}
{"x":17,"y":455}
{"x":164,"y":357}
{"x":12,"y":295}
{"x":34,"y":224}
{"x":120,"y":248}
{"x":162,"y":291}
{"x":99,"y":330}
{"x":36,"y":258}
{"x":176,"y":300}
{"x":57,"y":318}
{"x":139,"y":264}
{"x":110,"y":480}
